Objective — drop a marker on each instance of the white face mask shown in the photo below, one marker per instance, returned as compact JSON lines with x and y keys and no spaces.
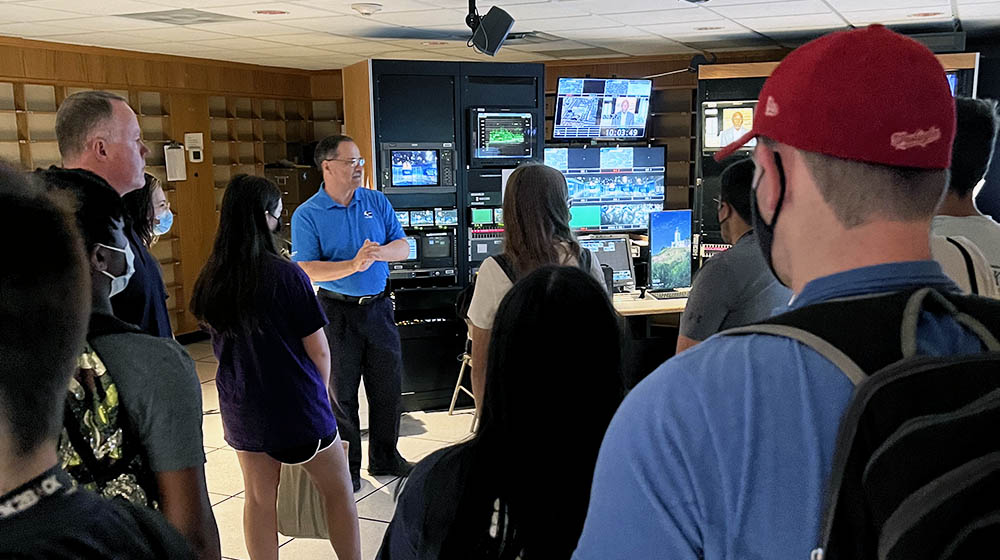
{"x":118,"y":283}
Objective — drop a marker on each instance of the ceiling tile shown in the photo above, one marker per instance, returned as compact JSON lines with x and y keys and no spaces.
{"x":108,"y":23}
{"x":763,"y":9}
{"x":866,"y":5}
{"x":645,"y":48}
{"x":285,"y":51}
{"x":101,"y":8}
{"x":295,"y":11}
{"x":715,"y":27}
{"x":896,"y":16}
{"x":664,"y":16}
{"x":554,"y":25}
{"x":464,"y":4}
{"x":814,"y":21}
{"x":110,"y":39}
{"x":341,"y":25}
{"x":199,"y":4}
{"x":306,"y":38}
{"x":388,"y":6}
{"x":246,"y":28}
{"x":991,"y":10}
{"x":419,"y":19}
{"x":37,"y":29}
{"x":176,"y":33}
{"x":550,"y":46}
{"x":17,"y":13}
{"x":361,"y":48}
{"x":604,"y":7}
{"x":235,"y":43}
{"x":424,"y":44}
{"x":544,"y":11}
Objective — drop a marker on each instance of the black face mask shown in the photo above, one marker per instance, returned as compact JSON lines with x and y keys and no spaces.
{"x":277,"y":228}
{"x":763,"y":230}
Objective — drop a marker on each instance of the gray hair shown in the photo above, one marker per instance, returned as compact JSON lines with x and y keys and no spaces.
{"x":78,"y":116}
{"x":327,"y":148}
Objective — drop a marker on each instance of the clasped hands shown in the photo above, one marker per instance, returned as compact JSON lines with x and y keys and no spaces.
{"x":369,"y":252}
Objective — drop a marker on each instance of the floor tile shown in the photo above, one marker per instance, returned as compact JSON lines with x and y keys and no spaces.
{"x":438,"y":425}
{"x":229,"y":517}
{"x":209,"y":397}
{"x":379,"y":505}
{"x":200,"y":350}
{"x":309,"y":549}
{"x":206,"y":371}
{"x":211,"y":428}
{"x":217,"y":498}
{"x":222,"y":472}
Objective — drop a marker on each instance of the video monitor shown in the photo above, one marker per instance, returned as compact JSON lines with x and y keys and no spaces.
{"x":670,"y":250}
{"x":412,"y":242}
{"x":613,"y":251}
{"x":611,"y":189}
{"x":498,"y":215}
{"x":446,"y":216}
{"x":482,"y":216}
{"x":601,"y":108}
{"x":404,"y":218}
{"x":435,"y":246}
{"x":501,"y":137}
{"x":953,"y":82}
{"x":724,"y":122}
{"x":414,"y":168}
{"x":421,"y":218}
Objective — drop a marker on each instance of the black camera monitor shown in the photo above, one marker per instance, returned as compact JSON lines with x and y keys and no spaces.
{"x":500,"y":138}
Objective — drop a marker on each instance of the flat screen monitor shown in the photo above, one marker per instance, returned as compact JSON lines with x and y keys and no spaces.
{"x":415,"y":168}
{"x":670,"y":250}
{"x":502,"y":137}
{"x":446,"y":216}
{"x":435,"y":246}
{"x":412,"y":242}
{"x":498,"y":215}
{"x":482,"y":216}
{"x":953,"y":82}
{"x":601,"y":109}
{"x":421,"y":218}
{"x":724,"y":122}
{"x":611,"y":189}
{"x":404,"y":218}
{"x":613,"y":251}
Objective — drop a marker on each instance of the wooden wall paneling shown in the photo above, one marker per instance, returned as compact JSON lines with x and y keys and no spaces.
{"x":954,"y":61}
{"x":20,"y":108}
{"x":194,"y":200}
{"x":327,"y":85}
{"x":358,"y":113}
{"x":11,"y":62}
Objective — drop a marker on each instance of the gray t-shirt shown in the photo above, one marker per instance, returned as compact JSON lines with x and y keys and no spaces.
{"x":732,"y":289}
{"x":158,"y":386}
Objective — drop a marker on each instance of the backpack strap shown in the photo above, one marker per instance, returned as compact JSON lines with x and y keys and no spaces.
{"x":586,"y":260}
{"x":911,"y":319}
{"x":969,"y":266}
{"x":821,"y":346}
{"x":506,"y":266}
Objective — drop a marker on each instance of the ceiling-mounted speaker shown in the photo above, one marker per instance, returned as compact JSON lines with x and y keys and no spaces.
{"x":492,"y":31}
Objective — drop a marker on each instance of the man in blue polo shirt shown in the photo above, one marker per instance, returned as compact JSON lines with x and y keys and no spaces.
{"x":342,"y":238}
{"x":725,"y":450}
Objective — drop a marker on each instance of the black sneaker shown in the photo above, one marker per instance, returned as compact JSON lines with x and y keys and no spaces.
{"x":357,"y":484}
{"x":402,"y":468}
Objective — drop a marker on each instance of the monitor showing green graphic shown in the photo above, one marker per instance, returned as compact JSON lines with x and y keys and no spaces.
{"x":501,"y":137}
{"x":670,"y":250}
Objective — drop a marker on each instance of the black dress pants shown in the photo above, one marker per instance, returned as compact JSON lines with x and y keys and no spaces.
{"x":364,"y":343}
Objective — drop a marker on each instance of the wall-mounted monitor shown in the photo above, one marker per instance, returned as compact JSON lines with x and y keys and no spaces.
{"x":404,"y":218}
{"x":446,"y":216}
{"x":590,"y":108}
{"x":415,"y":168}
{"x":611,"y":189}
{"x":500,"y":138}
{"x":724,"y":122}
{"x":421,"y":218}
{"x":953,"y":82}
{"x":482,"y":216}
{"x":670,"y":250}
{"x":412,"y":242}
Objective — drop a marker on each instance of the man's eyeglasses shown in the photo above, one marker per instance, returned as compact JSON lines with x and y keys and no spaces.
{"x":355,"y":162}
{"x":718,"y":203}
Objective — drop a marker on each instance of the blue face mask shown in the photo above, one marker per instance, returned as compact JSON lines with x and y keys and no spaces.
{"x":164,"y":221}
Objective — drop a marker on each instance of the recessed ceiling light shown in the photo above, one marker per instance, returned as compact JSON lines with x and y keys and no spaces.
{"x":270,"y":12}
{"x":709,"y":28}
{"x":925,"y":14}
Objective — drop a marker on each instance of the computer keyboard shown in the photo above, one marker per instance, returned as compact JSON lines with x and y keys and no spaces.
{"x":667,"y":295}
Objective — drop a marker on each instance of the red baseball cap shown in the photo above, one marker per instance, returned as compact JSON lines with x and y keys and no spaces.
{"x":868,"y":95}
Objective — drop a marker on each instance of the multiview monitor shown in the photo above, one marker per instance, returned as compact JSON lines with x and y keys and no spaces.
{"x":414,"y":168}
{"x":613,"y":251}
{"x":670,"y":250}
{"x":501,"y":137}
{"x":611,"y":189}
{"x":724,"y":122}
{"x":601,"y":108}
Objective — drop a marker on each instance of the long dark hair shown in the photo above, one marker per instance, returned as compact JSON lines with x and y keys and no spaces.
{"x":139,"y":209}
{"x":536,"y":218}
{"x":540,"y":378}
{"x":225,"y":294}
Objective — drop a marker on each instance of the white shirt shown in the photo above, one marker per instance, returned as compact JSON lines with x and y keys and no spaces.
{"x":980,"y":230}
{"x":492,"y":285}
{"x":953,"y":263}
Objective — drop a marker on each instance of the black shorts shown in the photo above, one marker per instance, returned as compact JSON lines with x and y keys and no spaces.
{"x":303,"y":453}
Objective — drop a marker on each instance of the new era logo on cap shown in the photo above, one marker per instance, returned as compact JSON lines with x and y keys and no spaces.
{"x":868,"y":95}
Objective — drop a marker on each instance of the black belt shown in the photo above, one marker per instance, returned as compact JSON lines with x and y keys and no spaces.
{"x":356,"y":300}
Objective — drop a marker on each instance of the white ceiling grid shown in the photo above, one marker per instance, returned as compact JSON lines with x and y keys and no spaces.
{"x":321,"y":34}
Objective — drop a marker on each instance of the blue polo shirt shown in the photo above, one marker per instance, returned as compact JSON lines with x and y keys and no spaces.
{"x":324,"y":230}
{"x":724,"y":451}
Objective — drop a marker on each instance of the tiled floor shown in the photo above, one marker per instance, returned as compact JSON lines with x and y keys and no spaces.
{"x":420,"y":434}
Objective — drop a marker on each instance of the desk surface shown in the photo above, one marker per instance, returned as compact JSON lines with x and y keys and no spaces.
{"x":629,"y":305}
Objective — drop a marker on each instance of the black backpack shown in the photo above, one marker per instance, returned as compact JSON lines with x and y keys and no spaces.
{"x":916,"y":469}
{"x":464,"y":299}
